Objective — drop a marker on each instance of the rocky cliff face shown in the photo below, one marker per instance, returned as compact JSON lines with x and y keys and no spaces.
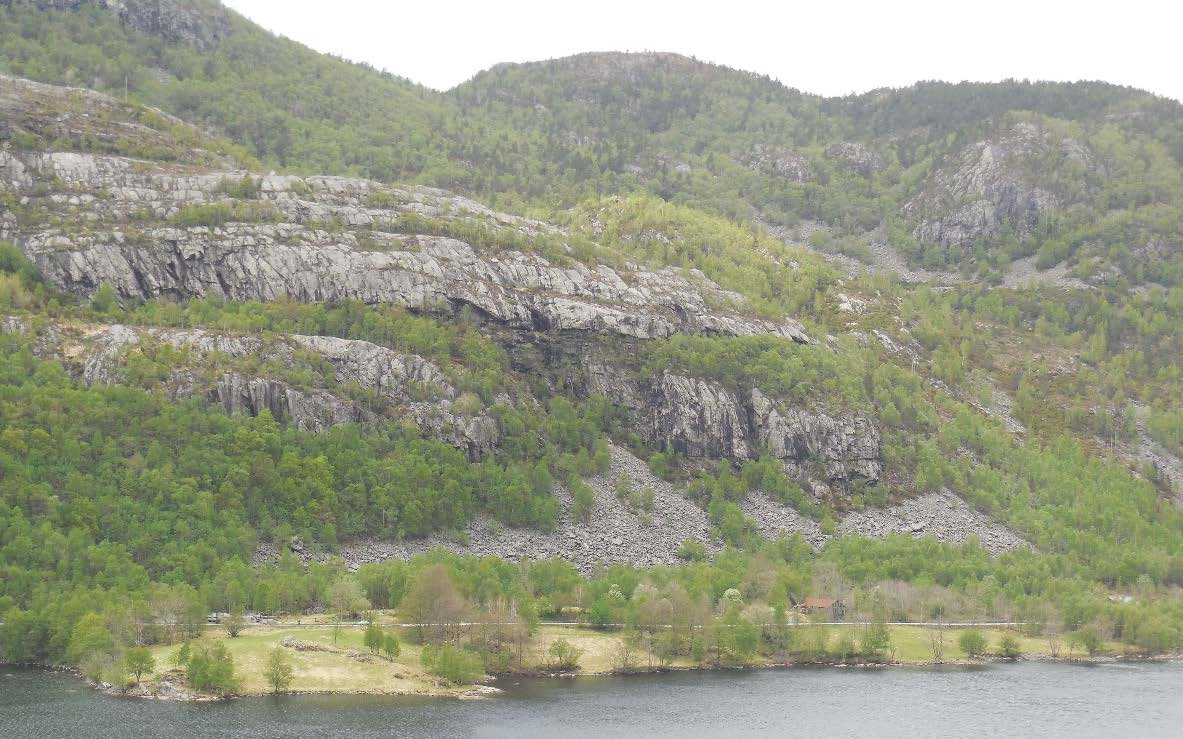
{"x":320,"y":239}
{"x":999,"y":184}
{"x":857,"y":157}
{"x":198,"y":23}
{"x":191,"y":229}
{"x":702,"y":419}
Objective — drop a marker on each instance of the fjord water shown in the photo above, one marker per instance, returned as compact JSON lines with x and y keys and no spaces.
{"x":1029,"y":699}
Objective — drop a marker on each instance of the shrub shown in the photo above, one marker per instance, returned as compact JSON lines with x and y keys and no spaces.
{"x":390,"y":645}
{"x":583,"y":500}
{"x":844,"y":648}
{"x":692,"y":550}
{"x":1008,"y":646}
{"x":216,"y":215}
{"x":564,"y":655}
{"x":452,"y":664}
{"x":245,"y":189}
{"x":104,"y":299}
{"x":876,"y":642}
{"x":1087,"y":638}
{"x":972,"y":643}
{"x":374,"y":639}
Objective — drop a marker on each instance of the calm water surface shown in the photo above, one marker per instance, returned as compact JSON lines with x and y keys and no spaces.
{"x":1033,"y":699}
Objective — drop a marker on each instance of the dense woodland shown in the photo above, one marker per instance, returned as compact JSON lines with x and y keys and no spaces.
{"x":120,"y":506}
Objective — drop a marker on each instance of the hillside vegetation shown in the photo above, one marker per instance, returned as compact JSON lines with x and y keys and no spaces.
{"x":218,"y":385}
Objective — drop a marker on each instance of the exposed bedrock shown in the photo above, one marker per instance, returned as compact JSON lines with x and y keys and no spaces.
{"x":703,"y":419}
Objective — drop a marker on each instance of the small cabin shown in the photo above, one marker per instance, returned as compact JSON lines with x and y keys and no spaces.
{"x":835,"y":609}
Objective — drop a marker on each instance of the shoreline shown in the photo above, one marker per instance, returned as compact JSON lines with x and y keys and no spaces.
{"x":487,"y":688}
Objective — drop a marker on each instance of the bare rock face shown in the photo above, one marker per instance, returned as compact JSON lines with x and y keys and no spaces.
{"x":995,"y":185}
{"x":847,"y":445}
{"x":701,"y":419}
{"x":857,"y":157}
{"x":282,"y":249}
{"x":782,"y":162}
{"x":522,"y":291}
{"x":306,"y":410}
{"x":698,"y":418}
{"x":197,"y":23}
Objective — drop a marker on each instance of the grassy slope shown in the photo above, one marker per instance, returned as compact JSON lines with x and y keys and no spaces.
{"x":335,"y":672}
{"x":323,"y":671}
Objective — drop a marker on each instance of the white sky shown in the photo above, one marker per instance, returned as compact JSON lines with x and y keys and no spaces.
{"x":831,"y":48}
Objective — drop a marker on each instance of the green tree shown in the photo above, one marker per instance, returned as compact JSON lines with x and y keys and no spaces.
{"x":1088,"y":638}
{"x":844,"y":648}
{"x":211,"y":669}
{"x":876,"y":642}
{"x":235,"y":621}
{"x":180,"y":658}
{"x":583,"y":500}
{"x":278,"y":670}
{"x":139,"y":660}
{"x":89,"y":637}
{"x":738,"y":638}
{"x":373,"y":638}
{"x":348,"y":598}
{"x":104,"y":299}
{"x":452,"y":663}
{"x":692,"y":550}
{"x":390,"y":645}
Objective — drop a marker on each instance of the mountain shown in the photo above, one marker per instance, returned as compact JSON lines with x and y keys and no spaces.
{"x":271,"y":318}
{"x":967,"y":176}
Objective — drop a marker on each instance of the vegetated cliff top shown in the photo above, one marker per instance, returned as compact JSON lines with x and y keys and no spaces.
{"x":39,"y":117}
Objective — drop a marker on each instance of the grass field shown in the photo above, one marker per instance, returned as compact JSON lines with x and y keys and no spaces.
{"x":346,"y":666}
{"x":324,"y":671}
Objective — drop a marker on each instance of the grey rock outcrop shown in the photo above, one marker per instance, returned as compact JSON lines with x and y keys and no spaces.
{"x":996,"y":185}
{"x":198,"y":23}
{"x":703,"y":419}
{"x":284,"y":250}
{"x":308,"y":410}
{"x":857,"y":157}
{"x":847,"y":445}
{"x":782,"y":162}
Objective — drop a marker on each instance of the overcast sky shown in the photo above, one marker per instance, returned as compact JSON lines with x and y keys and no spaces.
{"x":829,"y":47}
